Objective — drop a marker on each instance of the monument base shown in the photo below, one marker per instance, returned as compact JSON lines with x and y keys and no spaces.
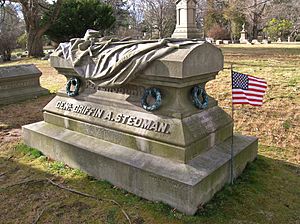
{"x":19,"y":95}
{"x":182,"y":186}
{"x":186,"y":33}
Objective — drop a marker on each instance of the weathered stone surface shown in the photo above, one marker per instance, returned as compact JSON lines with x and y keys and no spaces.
{"x":183,"y":186}
{"x":186,"y":66}
{"x":255,"y":41}
{"x":266,"y":41}
{"x":20,"y":82}
{"x":243,"y":39}
{"x":218,"y":42}
{"x":179,"y":138}
{"x":186,"y":20}
{"x":177,"y":154}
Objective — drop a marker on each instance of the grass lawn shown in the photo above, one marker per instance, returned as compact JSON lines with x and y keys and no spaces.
{"x":267,"y":192}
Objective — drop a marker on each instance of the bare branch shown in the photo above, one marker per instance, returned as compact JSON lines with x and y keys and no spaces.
{"x":70,"y":190}
{"x":42,"y":212}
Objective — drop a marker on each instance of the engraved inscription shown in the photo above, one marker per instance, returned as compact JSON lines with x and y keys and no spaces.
{"x":18,"y":84}
{"x":207,"y":122}
{"x":129,"y":89}
{"x":195,"y":127}
{"x":110,"y":116}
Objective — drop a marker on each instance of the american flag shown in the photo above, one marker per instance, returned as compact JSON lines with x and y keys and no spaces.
{"x":247,"y":89}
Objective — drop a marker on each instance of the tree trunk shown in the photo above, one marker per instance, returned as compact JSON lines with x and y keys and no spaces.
{"x":255,"y":21}
{"x":255,"y":30}
{"x":7,"y":55}
{"x":35,"y":44}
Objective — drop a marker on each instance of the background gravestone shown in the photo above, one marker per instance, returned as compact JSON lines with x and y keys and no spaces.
{"x":186,"y":20}
{"x":19,"y":83}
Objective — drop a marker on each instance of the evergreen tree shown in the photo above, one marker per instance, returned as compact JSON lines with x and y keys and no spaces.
{"x":77,"y":16}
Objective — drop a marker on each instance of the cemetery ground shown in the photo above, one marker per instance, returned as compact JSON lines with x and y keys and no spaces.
{"x":35,"y":189}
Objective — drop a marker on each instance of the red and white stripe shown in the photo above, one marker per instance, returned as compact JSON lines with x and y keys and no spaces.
{"x":253,"y":95}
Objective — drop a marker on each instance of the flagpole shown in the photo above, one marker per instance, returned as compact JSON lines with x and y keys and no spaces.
{"x":232,"y":116}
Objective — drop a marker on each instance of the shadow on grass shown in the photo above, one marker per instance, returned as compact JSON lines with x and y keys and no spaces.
{"x":18,"y":114}
{"x":267,"y":192}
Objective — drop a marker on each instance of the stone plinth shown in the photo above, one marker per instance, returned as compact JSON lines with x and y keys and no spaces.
{"x":178,"y":154}
{"x":19,"y":83}
{"x":218,"y":42}
{"x":254,"y":41}
{"x":243,"y":39}
{"x":186,"y":20}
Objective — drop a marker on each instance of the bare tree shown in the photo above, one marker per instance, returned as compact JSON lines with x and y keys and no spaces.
{"x":200,"y":15}
{"x":32,"y":12}
{"x":159,"y":15}
{"x":125,"y":24}
{"x":259,"y":12}
{"x":287,"y":9}
{"x":10,"y":29}
{"x":255,"y":13}
{"x":231,"y":14}
{"x":2,"y":11}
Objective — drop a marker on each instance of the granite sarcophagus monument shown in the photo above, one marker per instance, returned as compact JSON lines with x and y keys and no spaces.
{"x":178,"y":153}
{"x":175,"y":149}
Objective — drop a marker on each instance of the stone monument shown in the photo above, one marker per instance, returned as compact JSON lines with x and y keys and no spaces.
{"x":255,"y":41}
{"x":19,"y":83}
{"x":243,"y":39}
{"x":176,"y":150}
{"x":186,"y":20}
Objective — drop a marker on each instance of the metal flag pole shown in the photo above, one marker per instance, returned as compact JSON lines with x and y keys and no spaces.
{"x":232,"y":116}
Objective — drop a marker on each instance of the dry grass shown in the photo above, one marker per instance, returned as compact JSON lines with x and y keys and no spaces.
{"x":277,"y":122}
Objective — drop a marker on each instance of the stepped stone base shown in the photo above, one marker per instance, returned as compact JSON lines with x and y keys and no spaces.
{"x":178,"y":154}
{"x":183,"y":186}
{"x":184,"y":32}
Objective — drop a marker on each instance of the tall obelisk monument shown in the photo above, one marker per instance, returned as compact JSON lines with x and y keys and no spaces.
{"x":186,"y":20}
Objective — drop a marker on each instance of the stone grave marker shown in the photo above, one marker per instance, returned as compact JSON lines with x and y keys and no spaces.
{"x":243,"y":39}
{"x":218,"y":42}
{"x":226,"y":42}
{"x":265,"y":41}
{"x":178,"y":154}
{"x":176,"y":150}
{"x":186,"y":20}
{"x":255,"y":41}
{"x":19,"y":83}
